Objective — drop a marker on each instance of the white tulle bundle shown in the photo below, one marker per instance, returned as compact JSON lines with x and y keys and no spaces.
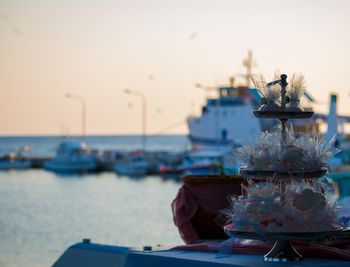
{"x":317,"y":150}
{"x":270,"y":93}
{"x":297,"y":86}
{"x":302,"y":152}
{"x":302,"y":207}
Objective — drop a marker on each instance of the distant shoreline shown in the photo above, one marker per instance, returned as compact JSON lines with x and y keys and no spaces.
{"x":89,"y":135}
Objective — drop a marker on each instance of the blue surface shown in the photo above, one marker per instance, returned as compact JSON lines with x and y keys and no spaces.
{"x":99,"y":247}
{"x":193,"y":259}
{"x":170,"y":258}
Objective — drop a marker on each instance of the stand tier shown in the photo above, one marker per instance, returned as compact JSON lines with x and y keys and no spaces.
{"x":282,"y":236}
{"x":262,"y":175}
{"x":283,"y":249}
{"x":284,"y":115}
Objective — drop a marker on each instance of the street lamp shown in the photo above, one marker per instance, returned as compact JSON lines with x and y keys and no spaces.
{"x":83,"y":112}
{"x":144,"y":115}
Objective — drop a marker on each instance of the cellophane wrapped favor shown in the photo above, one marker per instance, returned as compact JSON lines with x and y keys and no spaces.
{"x":304,"y":152}
{"x":270,"y":94}
{"x":296,"y":89}
{"x":302,"y":206}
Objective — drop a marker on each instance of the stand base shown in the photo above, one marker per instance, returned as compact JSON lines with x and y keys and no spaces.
{"x":283,"y":251}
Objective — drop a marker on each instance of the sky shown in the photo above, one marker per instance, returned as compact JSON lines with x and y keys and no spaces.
{"x":161,"y":49}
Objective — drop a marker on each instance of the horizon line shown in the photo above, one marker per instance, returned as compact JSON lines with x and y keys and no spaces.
{"x":89,"y":135}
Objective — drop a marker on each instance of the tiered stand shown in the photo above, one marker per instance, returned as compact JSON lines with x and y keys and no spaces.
{"x":283,"y":250}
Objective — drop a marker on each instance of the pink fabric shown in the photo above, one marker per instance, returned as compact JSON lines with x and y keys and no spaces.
{"x":184,"y":207}
{"x":209,"y":197}
{"x":305,"y":249}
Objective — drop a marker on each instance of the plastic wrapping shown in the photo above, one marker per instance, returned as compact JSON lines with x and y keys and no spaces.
{"x":303,"y":152}
{"x":301,"y":206}
{"x":296,"y":89}
{"x":271,"y":94}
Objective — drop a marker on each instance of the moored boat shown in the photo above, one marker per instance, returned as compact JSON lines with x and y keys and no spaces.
{"x":199,"y":163}
{"x":14,"y":159}
{"x":133,"y":163}
{"x":72,"y":157}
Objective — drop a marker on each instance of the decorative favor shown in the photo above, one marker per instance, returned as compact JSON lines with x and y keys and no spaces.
{"x":304,"y":152}
{"x":295,"y":91}
{"x":270,"y":94}
{"x":303,"y":206}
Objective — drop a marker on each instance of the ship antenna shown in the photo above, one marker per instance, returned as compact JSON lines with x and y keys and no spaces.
{"x":248,"y":63}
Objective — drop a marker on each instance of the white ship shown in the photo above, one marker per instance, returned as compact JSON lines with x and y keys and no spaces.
{"x":227,"y":120}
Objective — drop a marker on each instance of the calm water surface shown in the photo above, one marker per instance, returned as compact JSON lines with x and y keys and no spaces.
{"x":41,"y":214}
{"x":45,"y":146}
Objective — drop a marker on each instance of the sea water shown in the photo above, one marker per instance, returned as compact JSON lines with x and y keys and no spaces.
{"x":45,"y":146}
{"x":42,"y":213}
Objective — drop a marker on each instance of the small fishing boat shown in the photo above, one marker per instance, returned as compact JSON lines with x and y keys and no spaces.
{"x":132,"y":163}
{"x":72,"y":157}
{"x":197,"y":163}
{"x":14,"y":159}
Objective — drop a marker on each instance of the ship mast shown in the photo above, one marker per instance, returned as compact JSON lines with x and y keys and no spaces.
{"x":248,"y":63}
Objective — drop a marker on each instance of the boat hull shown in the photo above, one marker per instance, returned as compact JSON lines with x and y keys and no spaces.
{"x":130,"y":169}
{"x":90,"y":254}
{"x":70,"y":166}
{"x":16,"y":164}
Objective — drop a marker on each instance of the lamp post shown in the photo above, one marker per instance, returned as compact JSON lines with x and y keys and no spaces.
{"x":83,"y":112}
{"x":144,"y":115}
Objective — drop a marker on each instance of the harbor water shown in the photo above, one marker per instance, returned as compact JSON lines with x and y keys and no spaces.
{"x":42,"y":213}
{"x":45,"y":146}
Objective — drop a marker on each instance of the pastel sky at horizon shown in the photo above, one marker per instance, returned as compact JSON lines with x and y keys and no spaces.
{"x":161,"y":48}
